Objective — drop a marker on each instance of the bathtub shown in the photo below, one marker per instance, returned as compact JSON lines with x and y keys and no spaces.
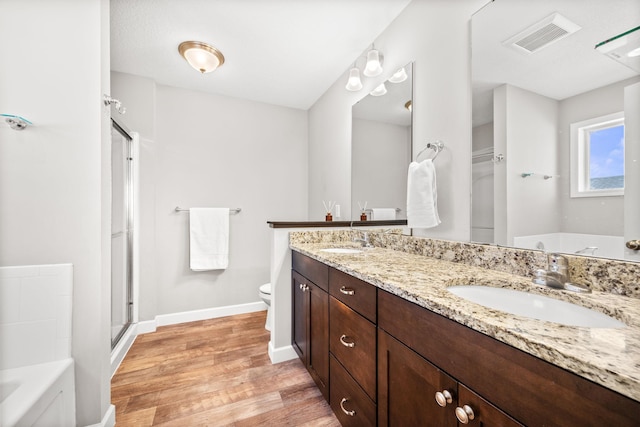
{"x":570,"y":243}
{"x":38,"y":395}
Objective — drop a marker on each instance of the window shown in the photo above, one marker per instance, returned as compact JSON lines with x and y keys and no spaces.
{"x":597,"y":157}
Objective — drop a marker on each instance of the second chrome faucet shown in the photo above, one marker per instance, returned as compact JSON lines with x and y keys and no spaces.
{"x":557,"y":275}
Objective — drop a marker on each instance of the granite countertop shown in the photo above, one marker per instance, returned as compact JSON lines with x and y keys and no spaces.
{"x":610,"y":357}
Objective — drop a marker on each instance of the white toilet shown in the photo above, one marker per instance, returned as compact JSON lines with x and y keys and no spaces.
{"x":265,"y":296}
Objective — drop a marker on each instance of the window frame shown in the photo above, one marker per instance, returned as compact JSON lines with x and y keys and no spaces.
{"x":580,"y":156}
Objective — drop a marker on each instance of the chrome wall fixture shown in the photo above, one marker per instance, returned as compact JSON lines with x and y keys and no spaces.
{"x":112,"y":101}
{"x":16,"y":122}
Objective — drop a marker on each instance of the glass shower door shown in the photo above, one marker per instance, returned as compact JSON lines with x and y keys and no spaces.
{"x":121,"y":233}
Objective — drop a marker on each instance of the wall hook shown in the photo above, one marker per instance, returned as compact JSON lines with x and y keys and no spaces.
{"x":16,"y":122}
{"x":117,"y":104}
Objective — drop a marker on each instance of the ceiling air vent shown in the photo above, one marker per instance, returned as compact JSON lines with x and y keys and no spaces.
{"x":542,"y":34}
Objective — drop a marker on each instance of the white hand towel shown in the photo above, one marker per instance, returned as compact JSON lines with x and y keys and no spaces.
{"x":209,"y":238}
{"x":381,"y":214}
{"x":422,"y":198}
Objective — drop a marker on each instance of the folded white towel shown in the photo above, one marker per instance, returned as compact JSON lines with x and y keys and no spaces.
{"x":380,"y":214}
{"x":422,"y":198}
{"x":209,"y":238}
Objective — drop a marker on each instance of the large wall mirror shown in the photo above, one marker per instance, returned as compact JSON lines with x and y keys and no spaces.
{"x":527,"y":94}
{"x":381,"y":149}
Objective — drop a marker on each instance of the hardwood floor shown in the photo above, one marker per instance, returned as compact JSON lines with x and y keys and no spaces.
{"x":214,"y":373}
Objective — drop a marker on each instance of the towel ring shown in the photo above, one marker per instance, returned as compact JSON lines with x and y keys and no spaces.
{"x":436,"y":146}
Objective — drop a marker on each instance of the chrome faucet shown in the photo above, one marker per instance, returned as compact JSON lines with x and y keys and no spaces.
{"x":365,"y":240}
{"x":557,"y":275}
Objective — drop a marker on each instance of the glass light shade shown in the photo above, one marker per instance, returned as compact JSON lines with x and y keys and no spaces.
{"x":379,"y":91}
{"x":201,"y":56}
{"x":373,"y":67}
{"x":354,"y":83}
{"x":399,"y":76}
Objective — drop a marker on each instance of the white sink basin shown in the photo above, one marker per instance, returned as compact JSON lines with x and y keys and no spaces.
{"x":535,"y":306}
{"x":342,"y":250}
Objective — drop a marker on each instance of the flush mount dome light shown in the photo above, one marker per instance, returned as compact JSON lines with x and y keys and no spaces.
{"x":201,"y":56}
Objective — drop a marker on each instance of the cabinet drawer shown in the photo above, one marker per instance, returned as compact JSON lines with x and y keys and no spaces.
{"x":313,"y":270}
{"x":357,"y":294}
{"x":349,"y":402}
{"x":352,"y":340}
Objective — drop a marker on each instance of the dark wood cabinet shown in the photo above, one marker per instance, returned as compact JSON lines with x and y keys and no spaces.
{"x":382,"y":360}
{"x":407,"y":386}
{"x":310,"y":322}
{"x":529,"y":390}
{"x":412,"y":392}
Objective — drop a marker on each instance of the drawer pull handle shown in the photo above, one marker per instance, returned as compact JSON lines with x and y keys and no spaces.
{"x":347,"y":291}
{"x":349,"y":413}
{"x":443,"y":397}
{"x":345,"y":343}
{"x":464,"y":414}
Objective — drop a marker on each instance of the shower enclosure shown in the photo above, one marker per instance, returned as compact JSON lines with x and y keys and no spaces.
{"x":121,"y":232}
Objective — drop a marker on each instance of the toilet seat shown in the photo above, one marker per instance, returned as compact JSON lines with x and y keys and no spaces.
{"x":265,"y":289}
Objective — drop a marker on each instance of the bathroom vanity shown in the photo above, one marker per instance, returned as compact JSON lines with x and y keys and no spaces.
{"x":389,"y":345}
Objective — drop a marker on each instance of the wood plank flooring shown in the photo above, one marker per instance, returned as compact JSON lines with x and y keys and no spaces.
{"x":214,"y":373}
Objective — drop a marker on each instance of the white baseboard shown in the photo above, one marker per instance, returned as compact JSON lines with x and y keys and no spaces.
{"x":209,"y":313}
{"x":109,"y":418}
{"x":281,"y":354}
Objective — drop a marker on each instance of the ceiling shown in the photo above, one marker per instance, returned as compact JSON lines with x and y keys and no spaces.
{"x":281,"y":52}
{"x":565,"y":68}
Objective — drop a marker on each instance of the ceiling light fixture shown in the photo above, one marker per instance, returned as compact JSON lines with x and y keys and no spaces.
{"x":374,"y":66}
{"x":379,"y":91}
{"x":354,"y":83}
{"x":201,"y":56}
{"x":399,"y":76}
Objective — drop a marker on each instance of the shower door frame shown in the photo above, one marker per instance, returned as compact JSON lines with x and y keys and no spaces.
{"x":129,"y":200}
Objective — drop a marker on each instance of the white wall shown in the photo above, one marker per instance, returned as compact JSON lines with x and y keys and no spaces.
{"x":591,"y":215}
{"x":381,"y":153}
{"x":526,"y":133}
{"x":52,"y":192}
{"x":434,"y":34}
{"x":206,"y":150}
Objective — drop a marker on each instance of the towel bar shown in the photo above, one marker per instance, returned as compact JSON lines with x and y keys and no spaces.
{"x":231,"y":211}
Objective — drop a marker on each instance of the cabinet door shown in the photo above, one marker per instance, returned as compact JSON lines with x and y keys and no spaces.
{"x":318,"y":342}
{"x":299,"y":324}
{"x":484,"y":413}
{"x":407,"y":385}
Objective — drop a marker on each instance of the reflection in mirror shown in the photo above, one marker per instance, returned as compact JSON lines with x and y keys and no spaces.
{"x":381,"y":151}
{"x":525,"y":100}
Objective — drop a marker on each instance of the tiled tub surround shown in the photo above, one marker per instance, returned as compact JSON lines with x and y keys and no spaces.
{"x":35,"y":314}
{"x":420,"y":270}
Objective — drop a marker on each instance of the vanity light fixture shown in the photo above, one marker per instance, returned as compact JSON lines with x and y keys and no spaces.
{"x":408,"y":105}
{"x":373,"y":67}
{"x":354,"y":83}
{"x":201,"y":56}
{"x":379,"y":91}
{"x":399,"y":76}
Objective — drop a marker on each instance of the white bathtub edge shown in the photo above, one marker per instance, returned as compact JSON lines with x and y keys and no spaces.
{"x":39,"y":385}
